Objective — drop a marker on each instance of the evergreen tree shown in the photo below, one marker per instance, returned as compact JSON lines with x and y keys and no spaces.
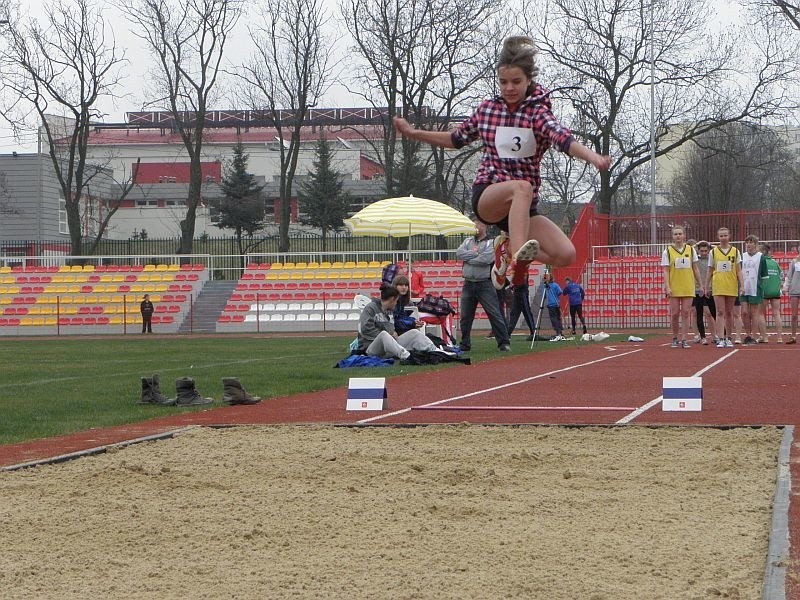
{"x":242,"y":206}
{"x":324,"y":203}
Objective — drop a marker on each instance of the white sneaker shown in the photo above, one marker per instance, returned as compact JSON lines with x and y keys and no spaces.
{"x":721,"y":343}
{"x":729,"y":344}
{"x":405,"y":355}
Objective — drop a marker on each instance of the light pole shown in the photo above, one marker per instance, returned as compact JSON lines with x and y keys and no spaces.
{"x":653,"y":228}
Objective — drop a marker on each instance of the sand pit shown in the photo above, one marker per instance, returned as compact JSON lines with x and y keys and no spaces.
{"x":398,"y":513}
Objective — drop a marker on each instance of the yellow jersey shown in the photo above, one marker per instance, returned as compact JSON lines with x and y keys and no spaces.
{"x":681,"y":270}
{"x":724,"y":280}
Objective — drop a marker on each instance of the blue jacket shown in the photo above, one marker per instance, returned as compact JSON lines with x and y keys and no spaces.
{"x":553,"y":294}
{"x":575,"y":293}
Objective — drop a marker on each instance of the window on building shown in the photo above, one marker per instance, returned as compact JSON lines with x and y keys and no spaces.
{"x":63,"y":227}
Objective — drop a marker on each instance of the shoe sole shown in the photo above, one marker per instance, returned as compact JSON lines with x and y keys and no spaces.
{"x":527,"y":252}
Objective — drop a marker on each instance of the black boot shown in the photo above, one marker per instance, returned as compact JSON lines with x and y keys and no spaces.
{"x":187,"y":394}
{"x":146,"y":396}
{"x":234,"y":393}
{"x":158,"y":396}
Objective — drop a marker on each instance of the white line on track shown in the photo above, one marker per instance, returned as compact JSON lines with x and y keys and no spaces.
{"x":500,"y":387}
{"x":642,"y":409}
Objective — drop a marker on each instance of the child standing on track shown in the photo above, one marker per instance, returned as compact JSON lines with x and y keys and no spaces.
{"x":753,"y":269}
{"x":792,"y":286}
{"x":725,"y":278}
{"x":771,"y":284}
{"x":679,"y":262}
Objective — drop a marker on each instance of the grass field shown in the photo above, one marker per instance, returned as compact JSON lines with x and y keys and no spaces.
{"x":53,"y":387}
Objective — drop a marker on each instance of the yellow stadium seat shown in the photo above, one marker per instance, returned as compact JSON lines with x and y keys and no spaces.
{"x":372,"y":274}
{"x":321,"y":275}
{"x":313,"y":265}
{"x":137,"y":289}
{"x":161,"y":267}
{"x":160,"y":287}
{"x":26,"y":321}
{"x":5,"y":269}
{"x":76,"y":269}
{"x":50,"y":321}
{"x":374,"y":264}
{"x":308,"y":275}
{"x":357,"y":275}
{"x":337,"y":265}
{"x":350,"y":265}
{"x":333,"y":275}
{"x":362,"y":264}
{"x":115,"y":321}
{"x":288,"y":265}
{"x":11,"y":289}
{"x":69,"y":310}
{"x":34,"y":310}
{"x":73,"y":289}
{"x":271,"y":276}
{"x":88,"y":268}
{"x":276,"y":266}
{"x":173,"y":268}
{"x":325,"y":265}
{"x":148,"y":268}
{"x":5,"y":299}
{"x":300,"y":265}
{"x":64,"y":269}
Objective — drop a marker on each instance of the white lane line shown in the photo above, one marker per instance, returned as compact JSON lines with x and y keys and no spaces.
{"x":500,"y":387}
{"x":642,"y":409}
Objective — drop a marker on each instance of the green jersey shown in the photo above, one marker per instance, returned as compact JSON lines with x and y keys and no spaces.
{"x":771,"y":282}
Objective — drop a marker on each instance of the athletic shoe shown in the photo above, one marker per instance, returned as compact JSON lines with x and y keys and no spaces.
{"x":729,"y":343}
{"x":464,"y":347}
{"x":721,"y":344}
{"x":504,"y":348}
{"x":747,"y":340}
{"x":685,"y":344}
{"x":736,"y":341}
{"x":675,"y":343}
{"x":780,"y":340}
{"x":704,"y":341}
{"x":697,"y":339}
{"x":791,"y":341}
{"x":517,"y":272}
{"x":760,"y":341}
{"x":557,"y":338}
{"x":500,"y":266}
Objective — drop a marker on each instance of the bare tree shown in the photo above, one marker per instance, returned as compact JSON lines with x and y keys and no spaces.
{"x":6,"y":205}
{"x":788,"y":11}
{"x":58,"y":70}
{"x":288,"y":75}
{"x":738,"y":167}
{"x":428,"y":60}
{"x":701,"y":82}
{"x":187,"y":38}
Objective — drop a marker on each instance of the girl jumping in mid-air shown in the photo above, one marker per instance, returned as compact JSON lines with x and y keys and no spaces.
{"x":515,"y":128}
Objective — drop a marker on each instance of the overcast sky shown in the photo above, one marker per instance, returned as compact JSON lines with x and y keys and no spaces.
{"x":139,"y":59}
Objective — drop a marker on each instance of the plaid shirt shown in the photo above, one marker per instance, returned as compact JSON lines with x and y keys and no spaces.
{"x":532,"y":113}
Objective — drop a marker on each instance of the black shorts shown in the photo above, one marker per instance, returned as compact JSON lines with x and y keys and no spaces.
{"x":502,"y":224}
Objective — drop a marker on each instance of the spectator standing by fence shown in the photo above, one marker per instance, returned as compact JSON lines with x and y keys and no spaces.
{"x":147,"y":309}
{"x":553,"y":293}
{"x":792,"y":286}
{"x":575,"y":294}
{"x":477,"y":253}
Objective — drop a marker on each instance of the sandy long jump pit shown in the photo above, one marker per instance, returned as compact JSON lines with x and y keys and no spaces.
{"x":428,"y":512}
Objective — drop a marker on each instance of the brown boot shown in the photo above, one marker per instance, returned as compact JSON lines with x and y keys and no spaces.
{"x":234,"y":393}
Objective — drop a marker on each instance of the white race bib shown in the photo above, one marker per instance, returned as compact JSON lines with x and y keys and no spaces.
{"x":514,"y":142}
{"x":724,"y":266}
{"x":683,"y":263}
{"x":797,"y":267}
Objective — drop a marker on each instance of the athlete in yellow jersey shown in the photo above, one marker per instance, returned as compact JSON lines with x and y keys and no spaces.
{"x":725,"y":278}
{"x":679,"y":262}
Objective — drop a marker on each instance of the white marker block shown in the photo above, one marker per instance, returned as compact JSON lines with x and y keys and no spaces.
{"x":367,"y":393}
{"x":682,"y":394}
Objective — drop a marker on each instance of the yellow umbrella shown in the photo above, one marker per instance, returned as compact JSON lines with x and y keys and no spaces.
{"x":407,"y":216}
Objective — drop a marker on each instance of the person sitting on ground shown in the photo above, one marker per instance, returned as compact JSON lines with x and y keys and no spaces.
{"x":403,"y":320}
{"x":376,"y":333}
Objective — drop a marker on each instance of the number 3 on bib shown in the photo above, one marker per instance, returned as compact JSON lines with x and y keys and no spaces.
{"x":514,"y":142}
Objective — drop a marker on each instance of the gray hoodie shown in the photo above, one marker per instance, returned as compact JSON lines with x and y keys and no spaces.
{"x":793,"y":278}
{"x":373,"y":320}
{"x":478,"y":257}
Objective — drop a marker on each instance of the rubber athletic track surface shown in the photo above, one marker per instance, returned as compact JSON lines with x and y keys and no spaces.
{"x":590,"y":384}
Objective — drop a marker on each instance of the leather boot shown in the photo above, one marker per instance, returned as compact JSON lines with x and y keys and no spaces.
{"x":187,"y":394}
{"x":234,"y":393}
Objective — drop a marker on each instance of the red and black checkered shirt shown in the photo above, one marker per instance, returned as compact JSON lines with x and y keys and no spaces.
{"x":535,"y":113}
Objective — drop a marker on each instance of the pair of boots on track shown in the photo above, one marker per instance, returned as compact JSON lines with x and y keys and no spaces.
{"x":187,"y":394}
{"x":514,"y":269}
